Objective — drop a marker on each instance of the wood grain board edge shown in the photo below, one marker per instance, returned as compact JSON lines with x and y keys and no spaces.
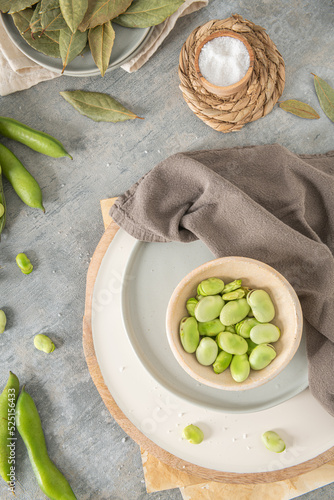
{"x":136,"y":434}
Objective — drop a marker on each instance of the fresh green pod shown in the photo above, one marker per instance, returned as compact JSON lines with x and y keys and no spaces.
{"x":240,"y":367}
{"x":223,"y":361}
{"x":261,"y":356}
{"x":244,"y":327}
{"x":51,"y":481}
{"x":3,"y":203}
{"x":210,"y":286}
{"x":207,"y":351}
{"x":8,"y":399}
{"x":234,"y":311}
{"x":209,"y":308}
{"x":236,"y":294}
{"x":232,"y":343}
{"x":230,"y":328}
{"x":43,"y":343}
{"x":211,"y":328}
{"x":189,"y":335}
{"x":34,"y":139}
{"x":2,"y":210}
{"x":3,"y":321}
{"x":251,"y":346}
{"x":273,"y":442}
{"x":265,"y":333}
{"x":190,"y":305}
{"x":233,"y":285}
{"x":193,"y":434}
{"x":261,"y":305}
{"x":24,"y":184}
{"x":24,"y":263}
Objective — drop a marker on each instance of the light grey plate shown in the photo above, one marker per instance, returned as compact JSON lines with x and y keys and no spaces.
{"x":152,"y":273}
{"x":128,"y":42}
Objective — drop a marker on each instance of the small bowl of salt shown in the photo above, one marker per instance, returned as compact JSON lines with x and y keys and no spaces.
{"x":224,"y":63}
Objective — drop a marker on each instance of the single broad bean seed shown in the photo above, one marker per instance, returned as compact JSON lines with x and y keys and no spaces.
{"x":3,"y":321}
{"x":233,"y":285}
{"x":234,"y":311}
{"x":273,"y":442}
{"x":230,"y":328}
{"x":265,"y":333}
{"x":210,"y":286}
{"x":211,"y":328}
{"x":24,"y":263}
{"x":237,"y":294}
{"x":8,"y":399}
{"x":34,"y":139}
{"x":223,"y":361}
{"x":244,"y":327}
{"x":190,"y":305}
{"x":209,"y":308}
{"x":24,"y":184}
{"x":207,"y":351}
{"x":189,"y":334}
{"x":232,"y":343}
{"x":240,"y":367}
{"x":43,"y":343}
{"x":251,"y":346}
{"x":193,"y":434}
{"x":51,"y":481}
{"x":261,"y":305}
{"x":261,"y":356}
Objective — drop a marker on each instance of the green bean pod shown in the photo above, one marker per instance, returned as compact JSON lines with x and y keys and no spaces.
{"x":7,"y":425}
{"x":24,"y":184}
{"x":34,"y":139}
{"x":3,"y":204}
{"x":51,"y":481}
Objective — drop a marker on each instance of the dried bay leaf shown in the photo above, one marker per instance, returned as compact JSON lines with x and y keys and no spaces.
{"x":52,"y":20}
{"x":48,"y":5}
{"x":325,"y":95}
{"x":299,"y":108}
{"x":71,"y":45}
{"x":35,"y":21}
{"x":12,"y":6}
{"x":97,"y":106}
{"x":146,"y":13}
{"x":102,"y":11}
{"x":73,"y":12}
{"x":101,"y":41}
{"x":48,"y":45}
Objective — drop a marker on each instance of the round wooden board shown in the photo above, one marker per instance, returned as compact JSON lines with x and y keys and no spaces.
{"x":139,"y":437}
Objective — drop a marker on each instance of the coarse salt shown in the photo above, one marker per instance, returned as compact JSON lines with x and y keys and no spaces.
{"x":224,"y":61}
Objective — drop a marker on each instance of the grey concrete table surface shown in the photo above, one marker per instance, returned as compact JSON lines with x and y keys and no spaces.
{"x":83,"y":439}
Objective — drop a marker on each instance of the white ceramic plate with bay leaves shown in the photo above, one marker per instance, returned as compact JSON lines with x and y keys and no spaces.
{"x":128,"y":42}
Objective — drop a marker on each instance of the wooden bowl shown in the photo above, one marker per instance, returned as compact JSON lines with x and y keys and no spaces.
{"x":229,"y":89}
{"x":254,"y":274}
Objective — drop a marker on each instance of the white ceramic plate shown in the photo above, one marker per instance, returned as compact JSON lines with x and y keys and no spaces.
{"x":128,"y":42}
{"x":161,"y":413}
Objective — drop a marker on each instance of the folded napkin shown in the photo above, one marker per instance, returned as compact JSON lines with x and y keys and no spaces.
{"x":18,"y":72}
{"x":262,"y":202}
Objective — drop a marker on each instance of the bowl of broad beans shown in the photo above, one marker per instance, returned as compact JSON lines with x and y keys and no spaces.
{"x":234,"y":323}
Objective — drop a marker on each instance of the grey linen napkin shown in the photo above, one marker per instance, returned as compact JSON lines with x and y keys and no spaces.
{"x":262,"y":202}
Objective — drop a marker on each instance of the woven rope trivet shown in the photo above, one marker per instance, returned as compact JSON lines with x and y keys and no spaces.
{"x":262,"y":91}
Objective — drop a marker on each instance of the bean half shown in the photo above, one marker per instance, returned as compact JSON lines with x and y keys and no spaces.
{"x":24,"y":263}
{"x":3,"y":321}
{"x":193,"y":434}
{"x":43,"y":343}
{"x":273,"y":442}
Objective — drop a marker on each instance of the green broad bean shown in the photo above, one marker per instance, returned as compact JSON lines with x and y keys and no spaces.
{"x":189,"y":334}
{"x":265,"y":333}
{"x":210,"y":286}
{"x":244,"y":327}
{"x":273,"y":442}
{"x":234,"y":311}
{"x":3,"y":203}
{"x":34,"y":139}
{"x":211,"y":328}
{"x":190,"y":305}
{"x":230,"y":328}
{"x":24,"y":184}
{"x":193,"y":434}
{"x":3,"y":321}
{"x":24,"y":263}
{"x":240,"y":367}
{"x":261,"y":305}
{"x":233,"y":285}
{"x":209,"y":308}
{"x":232,"y":343}
{"x":261,"y":356}
{"x":43,"y":343}
{"x":199,"y":297}
{"x":8,"y":399}
{"x":207,"y":351}
{"x":223,"y":361}
{"x":50,"y":480}
{"x":237,"y":294}
{"x":251,"y":346}
{"x":2,"y":210}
